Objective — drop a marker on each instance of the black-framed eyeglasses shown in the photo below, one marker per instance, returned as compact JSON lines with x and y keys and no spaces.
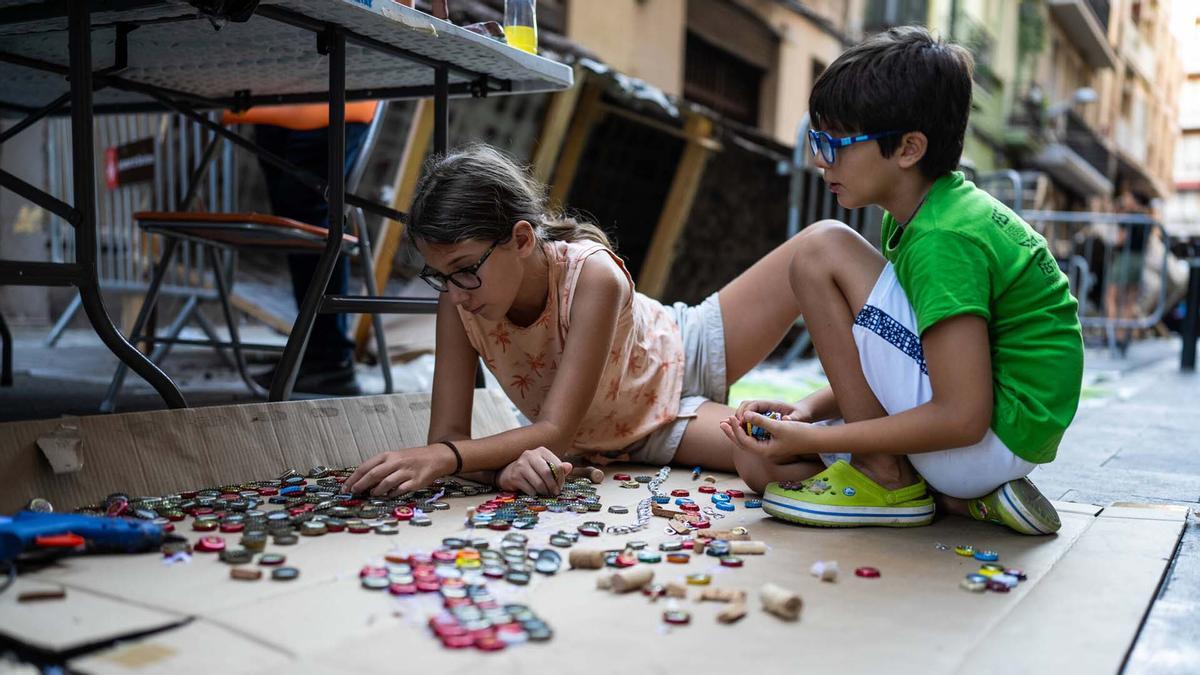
{"x":466,"y":278}
{"x":825,"y":146}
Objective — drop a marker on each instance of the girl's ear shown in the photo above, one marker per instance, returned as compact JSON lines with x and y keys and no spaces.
{"x":524,"y":237}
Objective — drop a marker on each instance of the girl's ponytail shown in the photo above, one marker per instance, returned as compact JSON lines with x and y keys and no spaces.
{"x":561,"y":227}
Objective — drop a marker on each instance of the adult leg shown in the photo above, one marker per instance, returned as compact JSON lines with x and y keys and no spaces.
{"x":328,"y":343}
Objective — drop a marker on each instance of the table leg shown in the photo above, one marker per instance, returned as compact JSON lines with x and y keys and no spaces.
{"x":83,"y":156}
{"x":289,"y":365}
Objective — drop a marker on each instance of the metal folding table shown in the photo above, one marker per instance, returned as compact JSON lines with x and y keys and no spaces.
{"x":191,"y":55}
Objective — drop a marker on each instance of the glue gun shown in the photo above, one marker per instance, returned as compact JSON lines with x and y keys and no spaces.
{"x":29,"y":530}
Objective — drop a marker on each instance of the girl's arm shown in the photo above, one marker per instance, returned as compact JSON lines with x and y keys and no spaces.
{"x":600,"y":293}
{"x":454,"y":372}
{"x":957,"y":352}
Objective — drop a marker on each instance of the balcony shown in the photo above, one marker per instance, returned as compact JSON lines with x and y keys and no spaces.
{"x":1069,"y":169}
{"x":1078,"y":158}
{"x":1138,"y":51}
{"x":1082,"y":22}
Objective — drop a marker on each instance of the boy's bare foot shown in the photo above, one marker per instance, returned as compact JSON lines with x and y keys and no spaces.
{"x":889,"y":471}
{"x":951,"y":505}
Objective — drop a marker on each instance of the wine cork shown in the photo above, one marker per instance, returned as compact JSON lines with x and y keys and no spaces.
{"x":676,"y":590}
{"x":631,"y":579}
{"x":781,"y":602}
{"x":825,"y":570}
{"x":727,"y":535}
{"x":747,"y":547}
{"x":585,"y":559}
{"x":245,"y":573}
{"x":589,"y":472}
{"x":732,"y":613}
{"x":723,"y":595}
{"x":604,"y":581}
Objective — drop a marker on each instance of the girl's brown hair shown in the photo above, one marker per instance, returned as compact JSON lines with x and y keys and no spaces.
{"x":479,"y":193}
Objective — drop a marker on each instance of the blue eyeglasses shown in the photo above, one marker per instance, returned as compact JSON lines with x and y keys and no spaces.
{"x":825,"y":146}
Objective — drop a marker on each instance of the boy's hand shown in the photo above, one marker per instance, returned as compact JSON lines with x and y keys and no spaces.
{"x":535,"y":472}
{"x":796,"y":413}
{"x":399,"y":471}
{"x":789,"y":438}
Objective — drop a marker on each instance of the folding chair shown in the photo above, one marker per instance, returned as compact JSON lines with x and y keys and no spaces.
{"x":223,"y":235}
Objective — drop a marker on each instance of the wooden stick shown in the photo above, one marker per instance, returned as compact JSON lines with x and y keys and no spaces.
{"x":554,"y":129}
{"x":38,"y":596}
{"x":587,"y":113}
{"x":781,"y":602}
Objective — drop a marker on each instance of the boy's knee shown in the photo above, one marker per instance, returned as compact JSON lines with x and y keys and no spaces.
{"x":815,"y":248}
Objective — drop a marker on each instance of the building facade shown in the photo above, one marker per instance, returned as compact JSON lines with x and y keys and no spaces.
{"x":1082,"y":96}
{"x":1183,"y":209}
{"x":752,"y":61}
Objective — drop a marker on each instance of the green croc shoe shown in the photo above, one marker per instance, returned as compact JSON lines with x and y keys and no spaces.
{"x":841,"y":496}
{"x":1019,"y":505}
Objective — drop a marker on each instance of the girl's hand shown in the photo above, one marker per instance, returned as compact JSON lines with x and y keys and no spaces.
{"x":535,"y":472}
{"x":399,"y":471}
{"x":789,"y":438}
{"x":798,"y":412}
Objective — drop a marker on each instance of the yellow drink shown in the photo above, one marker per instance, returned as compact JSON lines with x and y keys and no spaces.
{"x":522,"y":37}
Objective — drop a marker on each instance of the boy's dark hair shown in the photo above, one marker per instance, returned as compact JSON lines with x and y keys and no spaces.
{"x":902,"y":79}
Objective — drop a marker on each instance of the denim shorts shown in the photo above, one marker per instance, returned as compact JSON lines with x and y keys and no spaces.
{"x":703,"y":335}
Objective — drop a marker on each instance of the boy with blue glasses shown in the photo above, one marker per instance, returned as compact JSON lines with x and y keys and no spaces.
{"x":955,"y":358}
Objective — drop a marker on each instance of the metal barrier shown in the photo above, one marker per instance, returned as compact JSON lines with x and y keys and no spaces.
{"x":1005,"y":185}
{"x":809,"y":200}
{"x":127,"y":256}
{"x":1112,"y":261}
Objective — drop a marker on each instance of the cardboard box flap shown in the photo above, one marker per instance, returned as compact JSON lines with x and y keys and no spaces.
{"x":164,"y":451}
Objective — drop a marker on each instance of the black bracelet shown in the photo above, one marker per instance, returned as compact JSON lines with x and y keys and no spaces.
{"x":457,"y":456}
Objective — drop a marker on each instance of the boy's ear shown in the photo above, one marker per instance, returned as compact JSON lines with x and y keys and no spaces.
{"x":913,"y":145}
{"x":524,"y":237}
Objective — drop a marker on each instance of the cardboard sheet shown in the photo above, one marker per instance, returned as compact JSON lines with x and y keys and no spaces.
{"x":79,"y":618}
{"x":1088,"y":586}
{"x":199,"y":648}
{"x":914,"y":618}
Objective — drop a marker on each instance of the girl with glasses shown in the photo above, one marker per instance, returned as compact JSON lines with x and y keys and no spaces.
{"x":602,"y":372}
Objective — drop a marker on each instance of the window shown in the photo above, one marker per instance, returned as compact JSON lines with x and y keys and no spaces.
{"x":721,"y":80}
{"x":883,"y":14}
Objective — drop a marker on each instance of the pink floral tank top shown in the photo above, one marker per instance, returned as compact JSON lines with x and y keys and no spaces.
{"x":640,"y":385}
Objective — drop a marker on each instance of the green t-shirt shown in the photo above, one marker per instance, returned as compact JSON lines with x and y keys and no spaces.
{"x":967,"y":253}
